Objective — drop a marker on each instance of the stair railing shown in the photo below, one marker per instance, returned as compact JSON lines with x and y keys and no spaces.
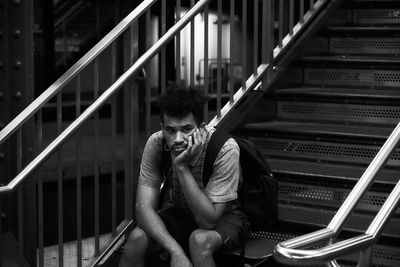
{"x":294,"y":251}
{"x":61,"y":82}
{"x":264,"y":72}
{"x":74,"y":126}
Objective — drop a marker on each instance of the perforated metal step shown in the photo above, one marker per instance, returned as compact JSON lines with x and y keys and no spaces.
{"x":322,"y":151}
{"x":341,"y":113}
{"x":314,"y":129}
{"x":321,"y":217}
{"x":353,"y":94}
{"x":392,"y":62}
{"x":378,"y":16}
{"x":300,"y":169}
{"x":351,"y":77}
{"x":364,"y":45}
{"x":328,"y":196}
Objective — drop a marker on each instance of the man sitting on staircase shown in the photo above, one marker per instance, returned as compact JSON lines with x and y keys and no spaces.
{"x":197,"y":221}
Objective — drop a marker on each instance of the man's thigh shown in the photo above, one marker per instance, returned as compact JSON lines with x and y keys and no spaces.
{"x":233,"y":229}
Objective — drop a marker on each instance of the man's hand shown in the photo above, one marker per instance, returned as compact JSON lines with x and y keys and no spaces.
{"x":180,"y":260}
{"x":195,"y":143}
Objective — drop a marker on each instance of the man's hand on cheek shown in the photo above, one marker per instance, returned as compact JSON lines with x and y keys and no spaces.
{"x":195,"y":144}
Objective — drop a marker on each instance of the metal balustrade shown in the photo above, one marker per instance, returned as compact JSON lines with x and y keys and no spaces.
{"x":298,"y":251}
{"x":89,"y":145}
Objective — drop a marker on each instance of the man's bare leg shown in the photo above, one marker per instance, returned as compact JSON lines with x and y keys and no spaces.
{"x":203,"y":244}
{"x":135,"y":249}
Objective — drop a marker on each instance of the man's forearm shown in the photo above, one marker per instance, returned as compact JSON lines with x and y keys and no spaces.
{"x":202,"y":208}
{"x":152,"y":224}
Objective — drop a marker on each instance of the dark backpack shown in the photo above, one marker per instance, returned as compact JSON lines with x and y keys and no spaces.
{"x":258,"y":194}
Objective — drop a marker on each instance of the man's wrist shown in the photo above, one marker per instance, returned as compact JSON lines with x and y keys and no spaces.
{"x":182,"y":168}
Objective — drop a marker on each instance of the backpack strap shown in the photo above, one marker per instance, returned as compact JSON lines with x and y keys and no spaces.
{"x":217,"y":140}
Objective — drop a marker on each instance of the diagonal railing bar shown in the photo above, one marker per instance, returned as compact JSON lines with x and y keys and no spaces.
{"x":76,"y":124}
{"x":292,"y":251}
{"x":61,"y":82}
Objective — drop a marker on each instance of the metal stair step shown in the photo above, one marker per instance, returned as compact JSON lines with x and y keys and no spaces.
{"x":357,"y":222}
{"x":301,"y":169}
{"x":370,"y":31}
{"x":319,"y":129}
{"x":361,"y":61}
{"x":355,"y":94}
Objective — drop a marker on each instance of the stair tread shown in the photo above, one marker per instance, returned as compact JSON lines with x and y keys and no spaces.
{"x":329,"y":170}
{"x":357,"y":93}
{"x":354,"y":131}
{"x":364,"y":30}
{"x":387,"y":60}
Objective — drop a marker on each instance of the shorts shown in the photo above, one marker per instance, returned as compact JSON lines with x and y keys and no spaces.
{"x":232,"y":227}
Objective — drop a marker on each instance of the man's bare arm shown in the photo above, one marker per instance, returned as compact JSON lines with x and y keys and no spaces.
{"x":205,"y":212}
{"x":150,"y":221}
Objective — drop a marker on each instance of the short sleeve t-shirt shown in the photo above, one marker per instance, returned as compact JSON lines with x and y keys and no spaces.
{"x":222,"y":185}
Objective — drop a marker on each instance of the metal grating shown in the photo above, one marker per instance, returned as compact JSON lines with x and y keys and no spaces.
{"x":338,"y":112}
{"x":322,"y":217}
{"x":274,"y":236}
{"x":355,"y":77}
{"x":329,"y":170}
{"x":328,"y":196}
{"x":377,"y":16}
{"x":363,"y":45}
{"x":386,"y":255}
{"x":321,"y":150}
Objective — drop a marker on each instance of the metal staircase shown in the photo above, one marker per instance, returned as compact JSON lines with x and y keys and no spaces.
{"x":334,"y":108}
{"x":319,"y":93}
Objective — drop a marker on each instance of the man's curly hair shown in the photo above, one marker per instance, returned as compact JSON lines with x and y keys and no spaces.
{"x":179,"y":103}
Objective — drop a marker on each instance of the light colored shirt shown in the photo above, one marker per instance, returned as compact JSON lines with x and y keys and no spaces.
{"x":222,"y":185}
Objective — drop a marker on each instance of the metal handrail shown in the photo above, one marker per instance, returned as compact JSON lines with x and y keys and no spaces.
{"x":76,"y":124}
{"x":56,"y":87}
{"x":289,"y":252}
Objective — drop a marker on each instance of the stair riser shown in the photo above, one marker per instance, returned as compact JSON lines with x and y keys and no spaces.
{"x":387,"y":16}
{"x":322,"y":151}
{"x":338,"y":113}
{"x":322,"y":217}
{"x":364,"y":46}
{"x":368,"y":78}
{"x":328,"y":196}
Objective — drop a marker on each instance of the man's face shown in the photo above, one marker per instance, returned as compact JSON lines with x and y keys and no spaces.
{"x":177,"y":131}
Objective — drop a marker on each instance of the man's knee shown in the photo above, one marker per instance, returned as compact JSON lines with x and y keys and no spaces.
{"x":203,"y":243}
{"x":137,"y":241}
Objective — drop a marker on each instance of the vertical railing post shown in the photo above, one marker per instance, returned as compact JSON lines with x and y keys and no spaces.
{"x":219,"y":57}
{"x":95,"y":163}
{"x":280,"y":24}
{"x":60,"y":200}
{"x":163,"y":62}
{"x":40,"y":228}
{"x":268,"y":37}
{"x":255,"y":37}
{"x":178,"y":44}
{"x":244,"y":44}
{"x":78,"y":176}
{"x":192,"y":47}
{"x":365,"y":257}
{"x":231,"y":44}
{"x":206,"y":75}
{"x":113,"y":143}
{"x":148,"y":81}
{"x":131,"y":106}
